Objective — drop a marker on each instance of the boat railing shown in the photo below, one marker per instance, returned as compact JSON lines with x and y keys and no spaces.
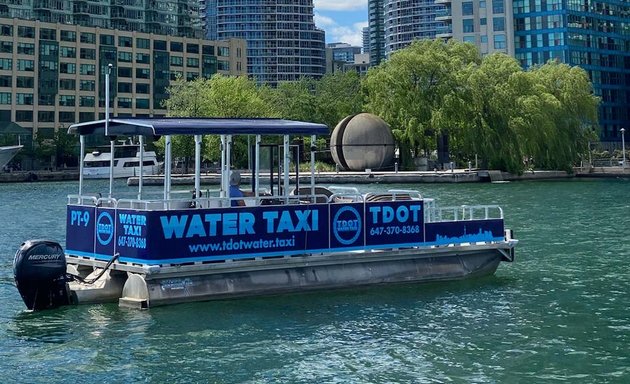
{"x":82,"y":200}
{"x":465,"y":212}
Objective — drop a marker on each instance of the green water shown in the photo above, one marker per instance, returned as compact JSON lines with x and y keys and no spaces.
{"x":560,"y":313}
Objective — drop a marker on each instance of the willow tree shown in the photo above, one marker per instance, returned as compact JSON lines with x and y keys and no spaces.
{"x":337,"y":95}
{"x":415,"y":91}
{"x":219,"y":96}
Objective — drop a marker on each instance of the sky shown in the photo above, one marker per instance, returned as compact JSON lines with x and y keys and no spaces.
{"x":342,"y":20}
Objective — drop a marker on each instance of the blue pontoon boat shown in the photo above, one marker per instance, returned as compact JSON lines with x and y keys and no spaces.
{"x":144,"y":252}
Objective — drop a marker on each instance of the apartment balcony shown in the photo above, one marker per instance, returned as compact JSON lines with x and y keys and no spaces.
{"x":444,"y":32}
{"x":442,"y":1}
{"x":444,"y":15}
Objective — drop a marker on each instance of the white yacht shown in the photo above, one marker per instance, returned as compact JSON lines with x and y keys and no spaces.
{"x":126,"y":163}
{"x":7,"y":153}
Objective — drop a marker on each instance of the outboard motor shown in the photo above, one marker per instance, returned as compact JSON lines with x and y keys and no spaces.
{"x":40,"y":274}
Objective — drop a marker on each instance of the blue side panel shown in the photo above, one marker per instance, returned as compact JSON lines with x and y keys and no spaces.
{"x":347,"y":228}
{"x":104,"y":244}
{"x":80,"y":222}
{"x":469,"y":231}
{"x":394,"y":222}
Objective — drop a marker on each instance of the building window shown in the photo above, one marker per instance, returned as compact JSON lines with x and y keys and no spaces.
{"x":498,"y":6}
{"x":87,"y":85}
{"x":192,"y":62}
{"x":86,"y":101}
{"x":26,"y":32}
{"x":6,"y":47}
{"x":88,"y":69}
{"x":223,"y":51}
{"x":124,"y":57}
{"x":6,"y":30}
{"x":484,"y":39}
{"x":498,"y":24}
{"x":143,"y":58}
{"x":145,"y":89}
{"x":190,"y":76}
{"x":6,"y":81}
{"x":87,"y":53}
{"x":499,"y":42}
{"x":26,"y":65}
{"x":143,"y":43}
{"x":208,"y":50}
{"x":67,"y":100}
{"x":467,"y":8}
{"x":469,"y":39}
{"x":107,"y":40}
{"x":24,"y":116}
{"x":46,"y":49}
{"x":24,"y":98}
{"x":67,"y":84}
{"x":66,"y":117}
{"x":192,"y":48}
{"x":5,"y":97}
{"x":142,"y":103}
{"x":124,"y":87}
{"x":88,"y":38}
{"x":69,"y":68}
{"x":177,"y":61}
{"x":46,"y":99}
{"x":125,"y":41}
{"x":143,"y":73}
{"x":223,"y":65}
{"x":176,"y":46}
{"x":176,"y":75}
{"x":26,"y":49}
{"x":468,"y":25}
{"x":7,"y":64}
{"x":124,"y":72}
{"x":482,"y":4}
{"x":46,"y":116}
{"x":483,"y":21}
{"x":86,"y":116}
{"x":69,"y":52}
{"x":124,"y":102}
{"x":47,"y":34}
{"x":68,"y":36}
{"x":159,"y":45}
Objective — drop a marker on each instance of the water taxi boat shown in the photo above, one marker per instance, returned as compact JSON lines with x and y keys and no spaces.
{"x":144,"y":252}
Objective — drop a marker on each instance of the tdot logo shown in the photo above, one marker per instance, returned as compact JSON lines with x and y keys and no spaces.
{"x":104,"y":228}
{"x":347,"y":225}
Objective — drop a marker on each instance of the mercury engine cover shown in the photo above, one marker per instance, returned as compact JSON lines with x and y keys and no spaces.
{"x":40,"y":274}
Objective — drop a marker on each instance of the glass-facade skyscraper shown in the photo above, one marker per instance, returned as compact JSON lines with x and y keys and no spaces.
{"x":283,"y":43}
{"x":592,"y":34}
{"x":409,"y":20}
{"x":163,"y":17}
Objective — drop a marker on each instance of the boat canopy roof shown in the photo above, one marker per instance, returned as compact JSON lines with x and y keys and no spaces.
{"x":163,"y":126}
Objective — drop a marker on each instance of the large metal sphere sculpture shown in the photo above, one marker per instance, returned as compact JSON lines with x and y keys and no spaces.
{"x":362,"y":141}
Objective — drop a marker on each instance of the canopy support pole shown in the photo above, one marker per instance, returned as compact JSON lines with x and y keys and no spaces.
{"x":111,"y":138}
{"x":81,"y":157}
{"x":256,"y":172}
{"x":285,"y":170}
{"x":141,"y":139}
{"x":197,"y":165}
{"x":228,"y":157}
{"x":167,"y":167}
{"x":313,"y":147}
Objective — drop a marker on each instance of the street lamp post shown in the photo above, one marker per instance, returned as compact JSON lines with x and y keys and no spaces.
{"x":623,"y":150}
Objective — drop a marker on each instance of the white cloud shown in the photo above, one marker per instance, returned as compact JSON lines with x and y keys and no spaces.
{"x":323,"y":21}
{"x":352,"y":34}
{"x":340,"y":5}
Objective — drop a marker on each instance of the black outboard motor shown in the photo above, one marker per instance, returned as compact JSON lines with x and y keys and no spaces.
{"x":40,"y":274}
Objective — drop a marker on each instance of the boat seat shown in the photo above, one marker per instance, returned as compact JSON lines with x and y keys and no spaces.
{"x":322,"y":194}
{"x":372,"y":197}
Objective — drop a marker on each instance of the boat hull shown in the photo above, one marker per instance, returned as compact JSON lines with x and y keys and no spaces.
{"x":154,"y":286}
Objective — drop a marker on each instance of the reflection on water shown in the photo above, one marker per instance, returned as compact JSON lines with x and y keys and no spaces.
{"x":560,"y":312}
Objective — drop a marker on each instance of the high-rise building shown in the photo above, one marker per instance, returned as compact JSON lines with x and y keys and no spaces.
{"x":343,"y":51}
{"x":365,"y":39}
{"x":53,"y":75}
{"x":164,"y":17}
{"x":376,"y":26}
{"x":409,"y":20}
{"x":486,"y":23}
{"x":283,"y":43}
{"x":592,"y":34}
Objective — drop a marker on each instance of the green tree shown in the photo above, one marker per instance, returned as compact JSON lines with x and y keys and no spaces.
{"x":415,"y":90}
{"x":337,"y":95}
